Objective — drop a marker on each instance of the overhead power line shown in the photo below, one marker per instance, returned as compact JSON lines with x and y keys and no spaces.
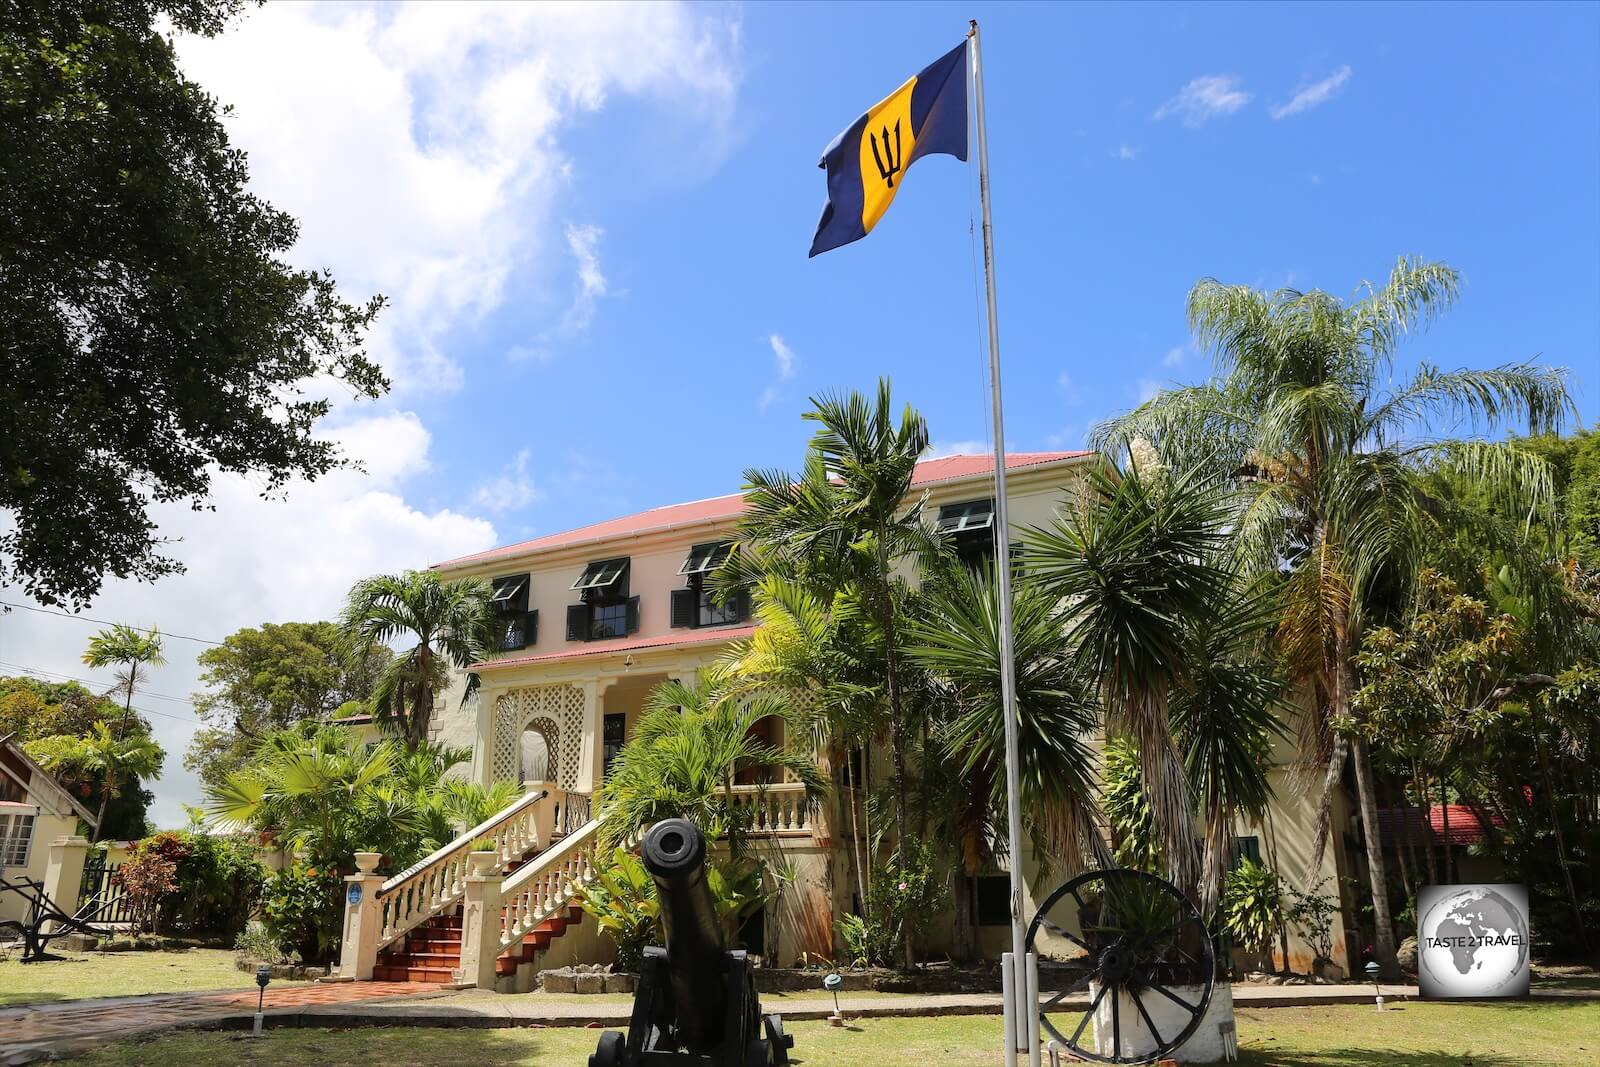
{"x":104,"y":622}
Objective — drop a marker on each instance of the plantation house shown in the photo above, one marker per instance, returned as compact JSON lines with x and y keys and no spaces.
{"x":590,"y":620}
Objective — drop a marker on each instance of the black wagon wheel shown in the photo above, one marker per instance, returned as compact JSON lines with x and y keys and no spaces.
{"x":1135,"y":934}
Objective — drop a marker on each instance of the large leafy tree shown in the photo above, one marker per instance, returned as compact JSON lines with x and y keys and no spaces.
{"x":1323,"y":453}
{"x":264,"y":678}
{"x":102,"y":758}
{"x":449,"y":624}
{"x":151,"y":332}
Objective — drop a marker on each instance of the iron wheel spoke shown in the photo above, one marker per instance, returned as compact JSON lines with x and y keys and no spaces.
{"x":1116,"y":1025}
{"x":1062,"y":932}
{"x":1160,"y":1041}
{"x":1192,"y":1009}
{"x":1094,"y":1006}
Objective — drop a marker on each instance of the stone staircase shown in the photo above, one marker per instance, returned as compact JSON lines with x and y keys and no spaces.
{"x":432,"y":952}
{"x":481,"y":910}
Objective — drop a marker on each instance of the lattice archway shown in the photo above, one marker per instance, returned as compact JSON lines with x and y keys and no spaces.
{"x":539,"y":749}
{"x":561,"y":706}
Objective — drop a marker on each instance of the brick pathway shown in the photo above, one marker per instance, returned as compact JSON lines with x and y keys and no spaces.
{"x":30,"y":1031}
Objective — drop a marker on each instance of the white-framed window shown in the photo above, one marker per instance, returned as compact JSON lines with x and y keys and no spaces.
{"x":16,"y":835}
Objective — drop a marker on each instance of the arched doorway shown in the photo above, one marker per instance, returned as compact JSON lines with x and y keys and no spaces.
{"x":536,"y":749}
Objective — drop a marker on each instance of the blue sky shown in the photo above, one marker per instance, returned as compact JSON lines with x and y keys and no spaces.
{"x":592,"y":224}
{"x":1462,"y":134}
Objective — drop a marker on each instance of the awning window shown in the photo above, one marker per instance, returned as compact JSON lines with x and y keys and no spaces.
{"x":961,"y":518}
{"x":707,"y":557}
{"x":602,"y":574}
{"x":507,"y":591}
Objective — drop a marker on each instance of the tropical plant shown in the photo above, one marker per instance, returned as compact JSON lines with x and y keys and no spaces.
{"x":810,"y":650}
{"x":844,"y":524}
{"x":955,"y":637}
{"x":303,"y":911}
{"x":111,"y":762}
{"x":130,"y":650}
{"x":329,"y":795}
{"x":1311,"y":913}
{"x":1253,"y":908}
{"x":1134,"y":840}
{"x":450,"y":623}
{"x":1323,"y":456}
{"x":217,"y":881}
{"x":680,"y":763}
{"x":1132,"y":560}
{"x":622,"y":899}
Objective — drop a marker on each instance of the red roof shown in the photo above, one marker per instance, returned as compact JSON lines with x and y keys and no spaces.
{"x":627,"y":644}
{"x":929,"y":472}
{"x":1465,"y":828}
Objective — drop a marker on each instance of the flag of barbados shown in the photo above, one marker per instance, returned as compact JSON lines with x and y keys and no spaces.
{"x":867,"y":162}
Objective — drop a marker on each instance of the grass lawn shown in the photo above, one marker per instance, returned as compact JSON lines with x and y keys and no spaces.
{"x":119,"y":974}
{"x":1417,"y":1035}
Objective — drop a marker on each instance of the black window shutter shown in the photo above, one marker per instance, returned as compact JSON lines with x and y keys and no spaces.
{"x":577,"y":622}
{"x":685,"y":607}
{"x":741,"y":605}
{"x":533,"y":628}
{"x":633,"y":615}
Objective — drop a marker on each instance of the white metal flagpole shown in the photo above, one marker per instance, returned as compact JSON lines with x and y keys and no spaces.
{"x":1026,"y":1035}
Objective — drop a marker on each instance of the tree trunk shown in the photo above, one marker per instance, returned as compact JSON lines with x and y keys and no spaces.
{"x":1426,"y":803}
{"x":1444,"y":816}
{"x":100,"y":816}
{"x":418,"y":727}
{"x":857,"y":849}
{"x":127,"y":705}
{"x":1561,"y":847}
{"x":896,"y":730}
{"x":1383,"y":945}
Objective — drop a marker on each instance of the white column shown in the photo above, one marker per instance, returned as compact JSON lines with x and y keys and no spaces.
{"x":63,"y":873}
{"x":589,"y":743}
{"x":483,"y":748}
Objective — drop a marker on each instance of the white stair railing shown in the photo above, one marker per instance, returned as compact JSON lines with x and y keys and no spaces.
{"x":437,"y":882}
{"x":548,"y":884}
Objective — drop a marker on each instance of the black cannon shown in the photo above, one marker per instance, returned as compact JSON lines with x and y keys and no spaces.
{"x":696,"y":1003}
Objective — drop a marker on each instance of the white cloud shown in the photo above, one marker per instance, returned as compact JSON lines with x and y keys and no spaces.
{"x":254,"y":560}
{"x":1068,"y":387}
{"x":783,"y":367}
{"x":941,"y":449}
{"x":1313,"y":95}
{"x":420,"y":145}
{"x":1174,"y":357}
{"x":1205,"y":98}
{"x":511,"y":490}
{"x":1066,"y":437}
{"x":1147,"y":388}
{"x":1125,"y":152}
{"x":584,"y":242}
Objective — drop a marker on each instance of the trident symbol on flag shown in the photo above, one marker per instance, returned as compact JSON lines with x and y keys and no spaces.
{"x":888,"y":172}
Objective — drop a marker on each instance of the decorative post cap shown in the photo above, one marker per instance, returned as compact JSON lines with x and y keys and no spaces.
{"x":367,"y":862}
{"x":482,"y":864}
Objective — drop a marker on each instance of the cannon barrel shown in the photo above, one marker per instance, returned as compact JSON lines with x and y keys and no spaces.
{"x":674,"y":852}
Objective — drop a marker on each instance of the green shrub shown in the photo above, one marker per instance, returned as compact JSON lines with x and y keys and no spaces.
{"x":907,"y":893}
{"x":622,"y":899}
{"x":257,"y":943}
{"x":1253,"y":908}
{"x":216,"y":884}
{"x":304,"y":911}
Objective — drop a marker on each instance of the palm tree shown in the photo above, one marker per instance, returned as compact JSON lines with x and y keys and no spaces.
{"x":1132,"y":559}
{"x":1323,"y":456}
{"x":108,"y":761}
{"x":955,"y":638}
{"x":844,"y":524}
{"x":808,"y":650}
{"x":130,"y":649}
{"x":451,"y":623}
{"x":690,"y":740}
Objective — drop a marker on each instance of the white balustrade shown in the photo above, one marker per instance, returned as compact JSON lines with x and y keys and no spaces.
{"x":547,"y":884}
{"x":438,"y":881}
{"x":781,"y":808}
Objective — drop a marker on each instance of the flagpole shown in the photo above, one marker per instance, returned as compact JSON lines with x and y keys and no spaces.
{"x":1020,"y":1012}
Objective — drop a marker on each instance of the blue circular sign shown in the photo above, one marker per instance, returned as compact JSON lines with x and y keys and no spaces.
{"x":353,"y":894}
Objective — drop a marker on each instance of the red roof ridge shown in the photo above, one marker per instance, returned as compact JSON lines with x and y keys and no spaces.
{"x":729,"y":505}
